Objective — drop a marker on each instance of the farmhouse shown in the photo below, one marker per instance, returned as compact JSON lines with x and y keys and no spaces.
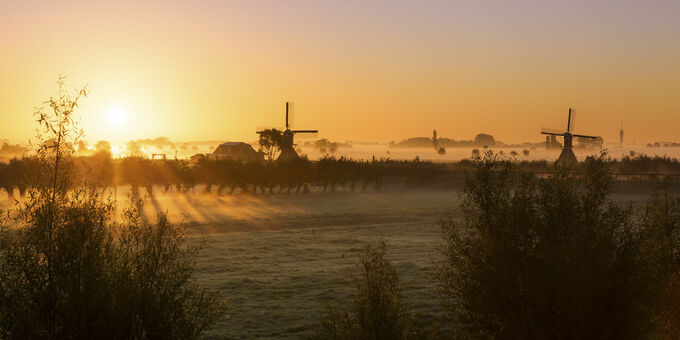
{"x":239,"y":151}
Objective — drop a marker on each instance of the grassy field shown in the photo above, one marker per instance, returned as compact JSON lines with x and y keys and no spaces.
{"x":280,"y":267}
{"x":281,"y":259}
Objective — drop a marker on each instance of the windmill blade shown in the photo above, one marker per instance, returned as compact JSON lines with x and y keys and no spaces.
{"x":572,"y":123}
{"x":555,"y":132}
{"x":290,"y":115}
{"x":306,"y":134}
{"x":584,"y":136}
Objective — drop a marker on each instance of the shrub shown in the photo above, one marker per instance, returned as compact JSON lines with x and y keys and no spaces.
{"x":543,"y":259}
{"x":68,"y":270}
{"x":660,"y":227}
{"x":377,"y":310}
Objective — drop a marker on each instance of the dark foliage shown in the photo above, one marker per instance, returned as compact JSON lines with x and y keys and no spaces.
{"x":544,"y":259}
{"x":68,"y":270}
{"x":660,"y":227}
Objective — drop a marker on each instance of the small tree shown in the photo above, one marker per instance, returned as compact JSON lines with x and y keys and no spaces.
{"x":103,"y":147}
{"x":377,"y":309}
{"x":134,"y":149}
{"x":67,"y":270}
{"x":270,"y":142}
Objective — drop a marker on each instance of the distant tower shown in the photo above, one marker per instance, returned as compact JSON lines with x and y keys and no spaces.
{"x":435,"y":141}
{"x":621,"y":134}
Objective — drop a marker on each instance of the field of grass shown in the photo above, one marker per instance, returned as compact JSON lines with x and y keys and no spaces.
{"x":281,"y":259}
{"x":280,"y":268}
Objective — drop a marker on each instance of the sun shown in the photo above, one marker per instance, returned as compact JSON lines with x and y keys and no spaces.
{"x":116,"y":116}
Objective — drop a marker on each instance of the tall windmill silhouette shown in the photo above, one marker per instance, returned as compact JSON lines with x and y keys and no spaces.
{"x":567,"y":155}
{"x":287,"y":143}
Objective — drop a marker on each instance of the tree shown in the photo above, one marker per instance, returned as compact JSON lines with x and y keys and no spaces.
{"x":377,"y":309}
{"x":82,"y":147}
{"x":270,"y":142}
{"x":103,"y":147}
{"x":484,"y":139}
{"x":544,"y":259}
{"x":68,"y":270}
{"x":134,"y":149}
{"x":324,"y":144}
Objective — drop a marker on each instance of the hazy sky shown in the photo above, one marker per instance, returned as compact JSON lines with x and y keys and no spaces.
{"x":356,"y":70}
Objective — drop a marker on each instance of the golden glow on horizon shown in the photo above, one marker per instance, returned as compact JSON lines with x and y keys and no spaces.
{"x":213,"y":70}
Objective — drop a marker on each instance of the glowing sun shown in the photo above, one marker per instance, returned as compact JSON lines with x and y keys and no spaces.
{"x":116,"y":116}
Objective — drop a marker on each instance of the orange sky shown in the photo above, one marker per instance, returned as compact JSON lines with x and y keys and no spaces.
{"x":357,"y":70}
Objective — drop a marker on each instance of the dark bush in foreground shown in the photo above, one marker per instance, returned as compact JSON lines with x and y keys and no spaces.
{"x":544,"y":259}
{"x":660,"y":226}
{"x":377,"y":309}
{"x":67,"y":270}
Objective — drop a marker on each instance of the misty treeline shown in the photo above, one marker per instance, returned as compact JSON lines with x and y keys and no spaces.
{"x":227,"y":176}
{"x":531,"y":258}
{"x":220,"y":176}
{"x":68,"y":270}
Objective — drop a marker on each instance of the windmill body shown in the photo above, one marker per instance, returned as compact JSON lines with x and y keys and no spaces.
{"x":287,"y":142}
{"x":567,"y":155}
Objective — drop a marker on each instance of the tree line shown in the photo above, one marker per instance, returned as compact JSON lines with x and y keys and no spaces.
{"x":219,"y":176}
{"x":228,"y":176}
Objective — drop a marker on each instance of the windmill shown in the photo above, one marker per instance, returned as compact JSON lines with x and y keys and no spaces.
{"x":567,"y":156}
{"x":287,"y":143}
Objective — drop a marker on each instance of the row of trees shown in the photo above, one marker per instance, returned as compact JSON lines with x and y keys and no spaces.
{"x":226,"y":176}
{"x":220,"y":176}
{"x":532,"y":258}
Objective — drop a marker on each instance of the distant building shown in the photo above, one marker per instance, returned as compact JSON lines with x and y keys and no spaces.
{"x":196,"y":158}
{"x":238,"y":151}
{"x":551,"y":142}
{"x":621,"y":134}
{"x":590,"y":142}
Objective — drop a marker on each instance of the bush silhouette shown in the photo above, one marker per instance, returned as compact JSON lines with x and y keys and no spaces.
{"x":544,"y":259}
{"x":660,"y":227}
{"x":68,"y":270}
{"x":376,"y":310}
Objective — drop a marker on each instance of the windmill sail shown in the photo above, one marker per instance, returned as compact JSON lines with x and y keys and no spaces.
{"x":290,"y":115}
{"x":584,"y":136}
{"x":556,"y":132}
